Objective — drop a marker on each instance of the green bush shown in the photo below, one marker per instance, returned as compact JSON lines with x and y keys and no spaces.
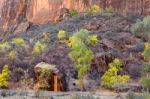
{"x":93,"y":9}
{"x":132,"y":95}
{"x":111,"y":78}
{"x":73,"y":12}
{"x":108,"y":9}
{"x":4,"y":46}
{"x":146,"y":52}
{"x":142,"y":28}
{"x":145,"y":79}
{"x":12,"y":54}
{"x":39,"y":47}
{"x":44,"y":79}
{"x":18,"y":41}
{"x":61,"y":34}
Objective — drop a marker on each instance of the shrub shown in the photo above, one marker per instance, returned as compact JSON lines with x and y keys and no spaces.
{"x":61,"y":34}
{"x":39,"y":47}
{"x":146,"y":52}
{"x":4,"y":76}
{"x":146,"y":95}
{"x":132,"y":95}
{"x":94,"y":9}
{"x":111,"y":78}
{"x":18,"y":41}
{"x":73,"y":12}
{"x":93,"y":39}
{"x":5,"y":46}
{"x":109,"y":9}
{"x":145,"y":79}
{"x":12,"y":54}
{"x":43,"y":79}
{"x":142,"y":28}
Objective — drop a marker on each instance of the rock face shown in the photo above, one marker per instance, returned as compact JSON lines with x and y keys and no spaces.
{"x":49,"y":9}
{"x":14,"y":12}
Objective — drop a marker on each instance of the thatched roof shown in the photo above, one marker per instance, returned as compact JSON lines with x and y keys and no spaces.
{"x":43,"y":65}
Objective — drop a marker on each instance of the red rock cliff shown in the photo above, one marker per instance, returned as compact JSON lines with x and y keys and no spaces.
{"x":14,"y":12}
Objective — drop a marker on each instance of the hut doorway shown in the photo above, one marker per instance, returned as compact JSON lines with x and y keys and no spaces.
{"x":55,"y":83}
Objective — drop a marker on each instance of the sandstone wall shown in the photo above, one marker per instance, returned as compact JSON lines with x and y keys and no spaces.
{"x":13,"y":12}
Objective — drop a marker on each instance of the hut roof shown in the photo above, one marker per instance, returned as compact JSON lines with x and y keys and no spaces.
{"x":43,"y":65}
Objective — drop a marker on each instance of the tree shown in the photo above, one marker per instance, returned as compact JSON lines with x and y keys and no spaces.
{"x":81,"y":53}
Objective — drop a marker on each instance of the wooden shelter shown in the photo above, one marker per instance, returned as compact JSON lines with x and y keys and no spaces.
{"x":50,"y":80}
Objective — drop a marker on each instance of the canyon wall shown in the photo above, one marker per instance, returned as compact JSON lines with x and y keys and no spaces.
{"x":15,"y":12}
{"x":48,"y":10}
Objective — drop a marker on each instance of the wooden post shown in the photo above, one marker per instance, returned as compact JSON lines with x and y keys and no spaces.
{"x":56,"y":83}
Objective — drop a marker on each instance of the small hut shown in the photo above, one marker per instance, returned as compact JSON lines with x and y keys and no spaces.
{"x":47,"y":77}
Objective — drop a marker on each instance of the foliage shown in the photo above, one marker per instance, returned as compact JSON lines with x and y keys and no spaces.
{"x":146,"y":52}
{"x":93,"y":39}
{"x":146,"y":95}
{"x":44,"y":79}
{"x":18,"y":41}
{"x":4,"y":76}
{"x":111,"y":76}
{"x":39,"y":47}
{"x":132,"y":95}
{"x":80,"y":52}
{"x":137,"y":27}
{"x":12,"y":54}
{"x":5,"y":46}
{"x":142,"y":28}
{"x":94,"y":9}
{"x":145,"y":79}
{"x":73,"y":12}
{"x":61,"y":34}
{"x":109,"y":9}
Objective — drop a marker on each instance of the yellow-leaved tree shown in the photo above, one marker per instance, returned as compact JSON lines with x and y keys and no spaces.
{"x":4,"y":76}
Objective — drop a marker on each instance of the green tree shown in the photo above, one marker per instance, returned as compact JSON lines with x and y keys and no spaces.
{"x":81,"y":53}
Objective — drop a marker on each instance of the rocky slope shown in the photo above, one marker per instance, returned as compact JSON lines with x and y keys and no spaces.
{"x":115,"y":41}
